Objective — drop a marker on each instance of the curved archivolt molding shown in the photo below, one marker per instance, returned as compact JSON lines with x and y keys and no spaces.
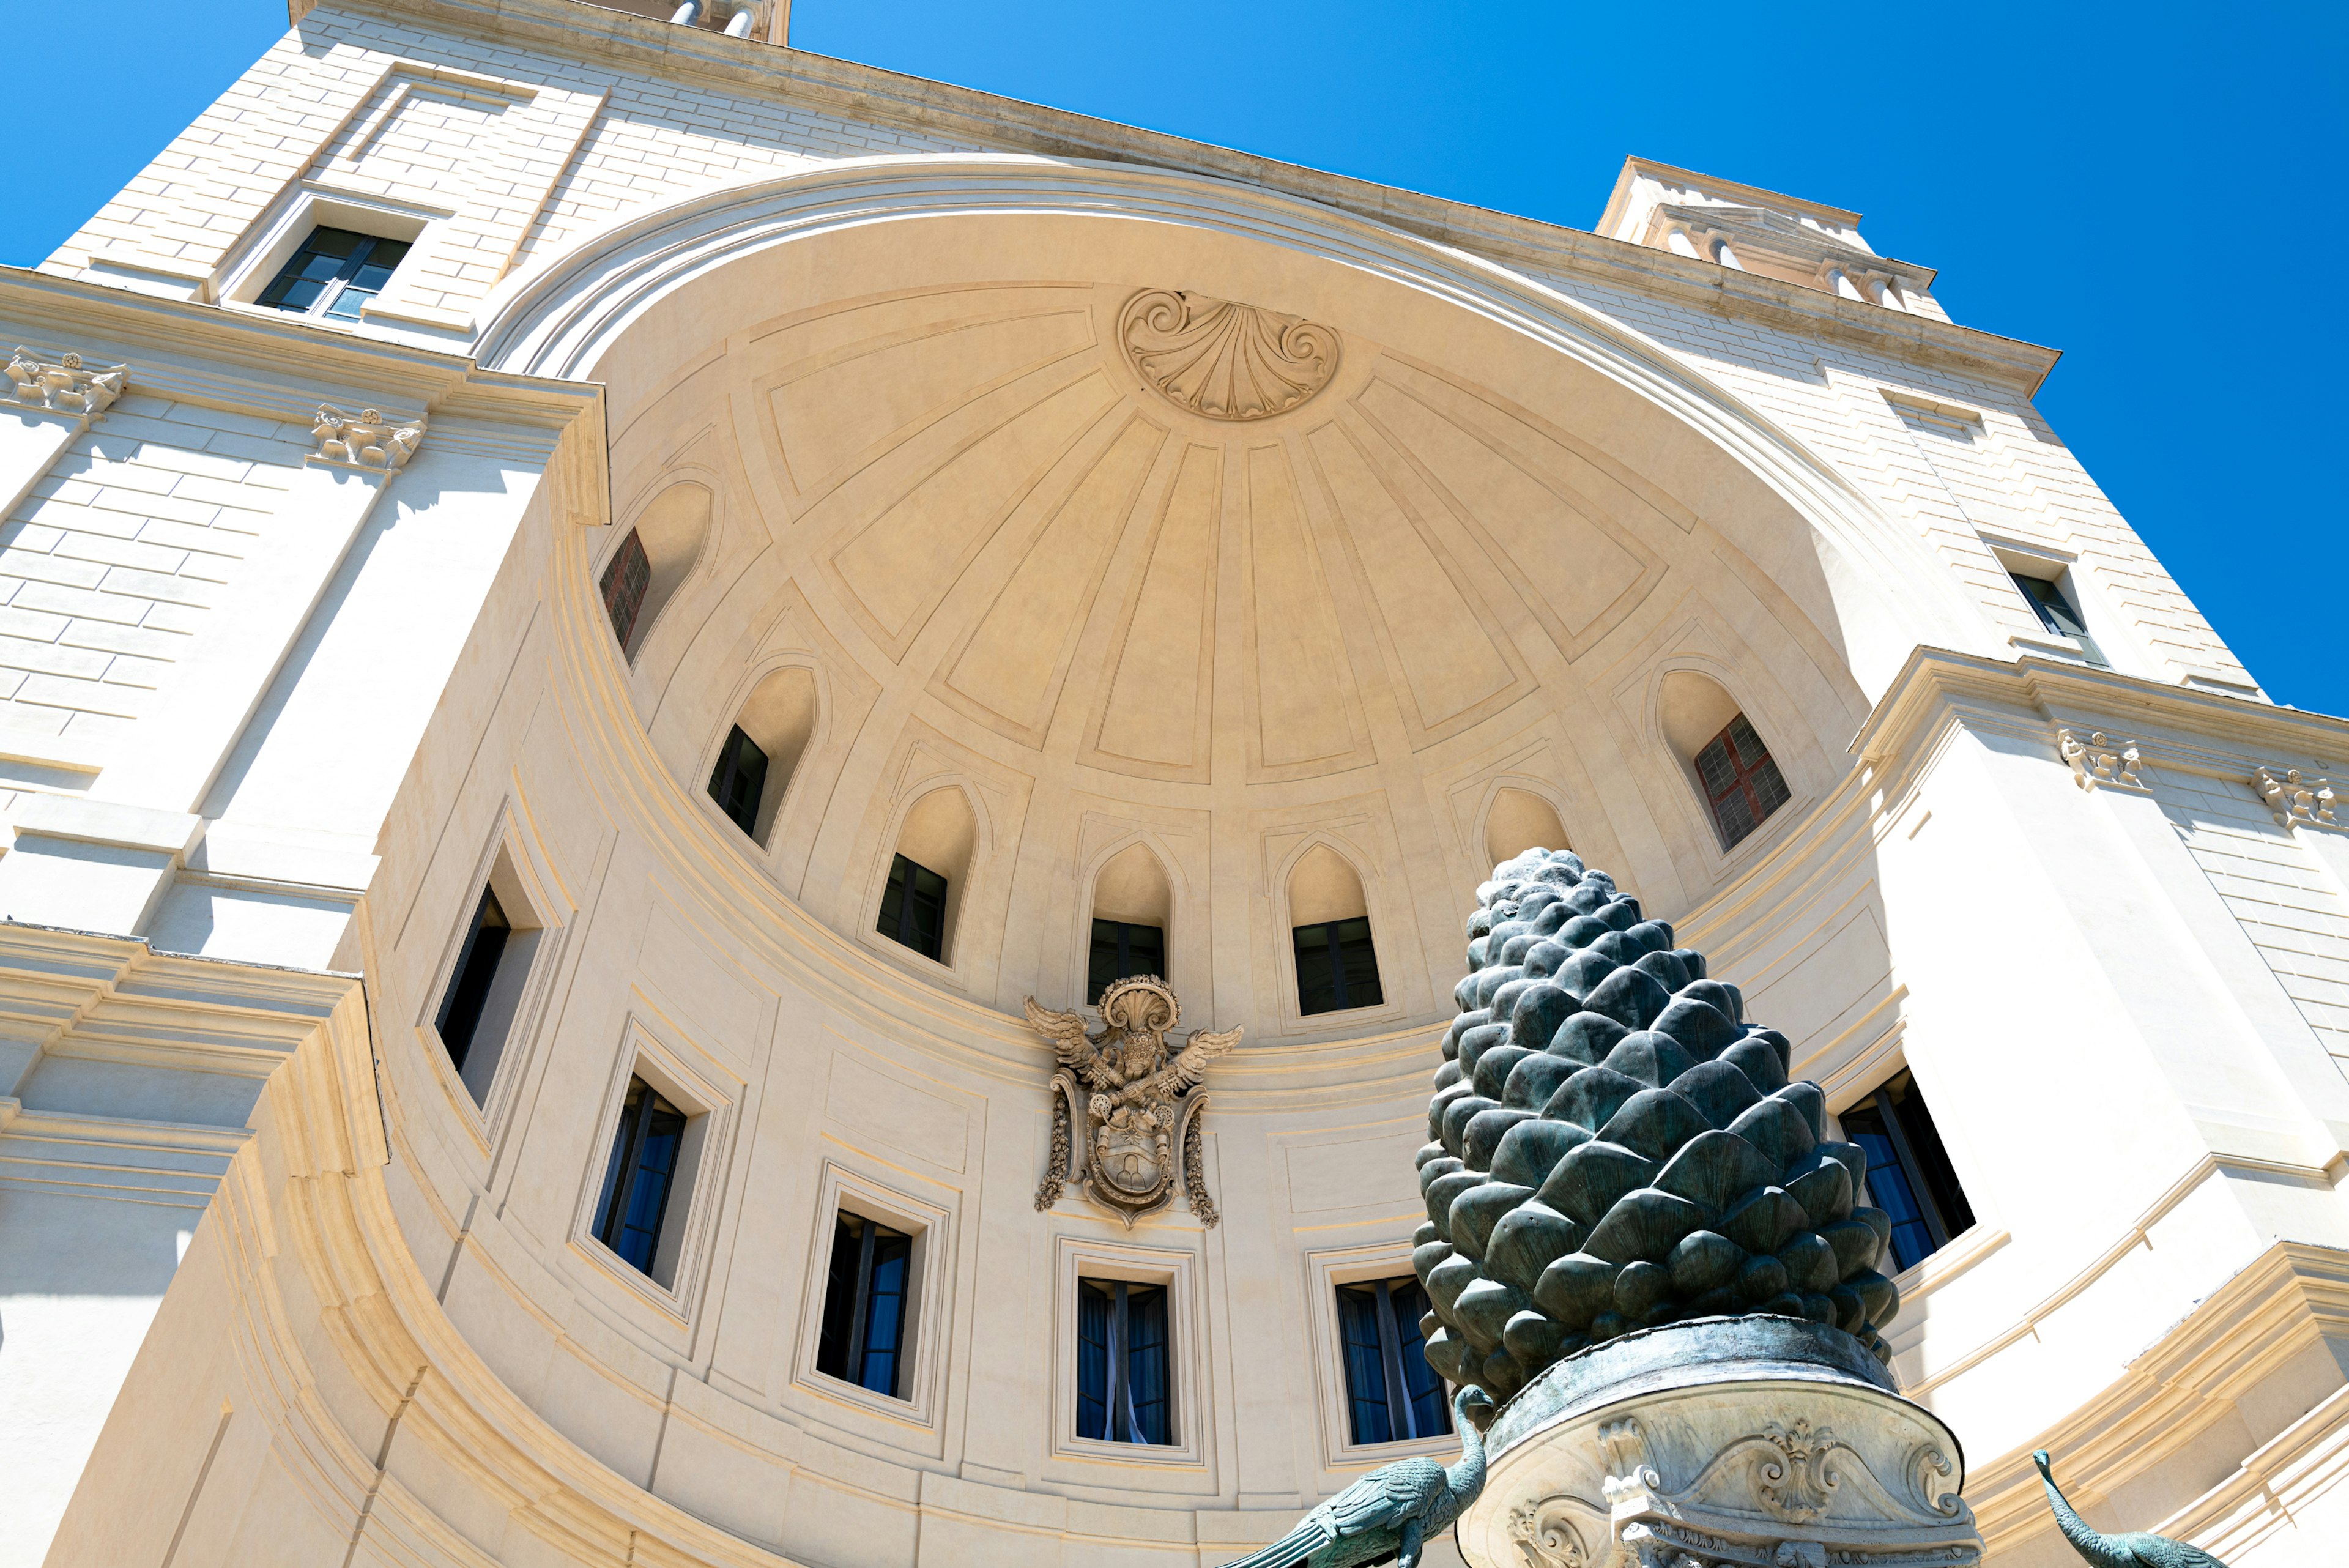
{"x":562,"y":316}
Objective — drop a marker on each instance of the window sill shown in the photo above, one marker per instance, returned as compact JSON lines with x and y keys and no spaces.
{"x":2062,"y":648}
{"x":1965,"y":1249}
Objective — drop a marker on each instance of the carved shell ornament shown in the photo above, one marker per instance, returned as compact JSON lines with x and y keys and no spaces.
{"x":1225,"y":359}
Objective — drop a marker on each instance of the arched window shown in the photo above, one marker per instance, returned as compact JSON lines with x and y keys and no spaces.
{"x":927,"y":874}
{"x":1725,"y":756}
{"x":1329,"y":924}
{"x":1519,"y":821}
{"x":653,"y":560}
{"x":1131,"y":904}
{"x":763,"y":749}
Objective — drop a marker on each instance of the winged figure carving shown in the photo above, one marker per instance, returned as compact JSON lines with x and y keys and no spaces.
{"x":1133,"y":1097}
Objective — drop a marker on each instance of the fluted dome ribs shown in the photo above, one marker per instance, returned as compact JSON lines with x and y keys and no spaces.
{"x":1613,"y":1147}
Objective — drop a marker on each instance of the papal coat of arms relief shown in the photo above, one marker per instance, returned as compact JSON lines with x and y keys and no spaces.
{"x":1122,"y":1102}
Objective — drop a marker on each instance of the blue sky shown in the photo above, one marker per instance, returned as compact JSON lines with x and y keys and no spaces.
{"x":2147,"y":187}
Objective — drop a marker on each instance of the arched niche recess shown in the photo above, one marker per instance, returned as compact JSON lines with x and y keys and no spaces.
{"x":1519,"y":820}
{"x":1722,"y":755}
{"x":653,"y":558}
{"x":1331,"y":935}
{"x":939,"y":836}
{"x":779,"y":719}
{"x":1131,"y":930}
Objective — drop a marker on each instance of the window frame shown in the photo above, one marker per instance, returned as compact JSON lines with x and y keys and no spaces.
{"x":930,"y":1223}
{"x":1093,"y":993}
{"x":1742,"y":776}
{"x":708,"y":1102}
{"x":635,"y":1127}
{"x":861,"y":1292}
{"x":614,"y":566}
{"x":1189,"y":1419}
{"x":342,"y":281}
{"x":1344,"y":1003}
{"x":1118,"y":1349}
{"x":1943,"y":1224}
{"x":483,"y":1091}
{"x":1324,"y":1271}
{"x":258,"y":261}
{"x":1391,"y":1349}
{"x":944,"y":898}
{"x":729,"y":770}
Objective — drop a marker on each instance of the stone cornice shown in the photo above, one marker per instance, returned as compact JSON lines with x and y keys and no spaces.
{"x":890,"y":98}
{"x":2051,"y":695}
{"x":280,"y":367}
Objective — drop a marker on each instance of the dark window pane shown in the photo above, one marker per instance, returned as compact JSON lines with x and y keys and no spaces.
{"x":1366,"y":1378}
{"x":625,"y":579}
{"x":840,"y":1296}
{"x":1151,"y":1405}
{"x":337,"y":269}
{"x":1120,"y":950}
{"x":1337,"y":967}
{"x":1741,"y":782}
{"x":469,"y":984}
{"x":1094,"y":1302}
{"x":914,"y":908}
{"x":1909,"y":1172}
{"x":2058,"y":616}
{"x":644,"y":1168}
{"x":740,"y":777}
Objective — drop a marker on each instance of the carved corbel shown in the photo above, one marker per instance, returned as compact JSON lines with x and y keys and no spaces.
{"x":368,"y":440}
{"x":64,"y":384}
{"x":2098,"y":761}
{"x":2300,"y":801}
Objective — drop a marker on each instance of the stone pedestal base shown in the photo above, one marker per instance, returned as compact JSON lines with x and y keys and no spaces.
{"x":1752,"y":1442}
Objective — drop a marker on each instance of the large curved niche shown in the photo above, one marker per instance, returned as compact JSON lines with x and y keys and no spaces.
{"x":1425,"y":553}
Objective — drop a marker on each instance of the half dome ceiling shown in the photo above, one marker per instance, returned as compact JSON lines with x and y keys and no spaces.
{"x":1130,"y":562}
{"x":994,"y":448}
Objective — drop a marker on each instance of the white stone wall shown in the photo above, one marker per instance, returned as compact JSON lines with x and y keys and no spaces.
{"x":109,"y":565}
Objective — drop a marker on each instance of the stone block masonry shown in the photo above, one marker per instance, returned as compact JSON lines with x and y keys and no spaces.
{"x":108,"y":567}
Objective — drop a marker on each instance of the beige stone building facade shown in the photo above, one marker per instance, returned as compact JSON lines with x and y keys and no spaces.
{"x":589,"y":603}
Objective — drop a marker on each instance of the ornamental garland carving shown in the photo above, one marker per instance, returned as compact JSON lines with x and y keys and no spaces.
{"x":1124,"y":1103}
{"x":2099,"y":760}
{"x":2297,"y":799}
{"x":1222,"y":359}
{"x":64,"y":384}
{"x":368,"y":440}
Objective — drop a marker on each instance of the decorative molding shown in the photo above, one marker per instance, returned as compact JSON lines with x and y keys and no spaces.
{"x":368,"y":440}
{"x":2299,"y":801}
{"x":1225,"y":359}
{"x":2101,"y":761}
{"x":64,"y":384}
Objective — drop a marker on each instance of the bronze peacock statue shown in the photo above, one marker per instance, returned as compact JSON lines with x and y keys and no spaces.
{"x":2136,"y":1550}
{"x":1389,"y":1515}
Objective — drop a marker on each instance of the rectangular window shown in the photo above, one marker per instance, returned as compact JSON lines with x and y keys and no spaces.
{"x":2058,"y":616}
{"x":1909,"y":1172}
{"x":1392,"y":1396}
{"x":625,"y":579}
{"x":1124,"y":1392}
{"x":643,"y":1171}
{"x":1741,"y":783}
{"x":863,"y":1334}
{"x":740,"y":776}
{"x":914,"y":908}
{"x":460,"y":1019}
{"x":1337,"y":967}
{"x":1121,"y":950}
{"x":334,"y":273}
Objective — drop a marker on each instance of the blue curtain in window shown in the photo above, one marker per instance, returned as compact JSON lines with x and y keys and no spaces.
{"x":885,"y":1308}
{"x":1093,"y":1304}
{"x":1888,"y":1184}
{"x":1148,"y":1405}
{"x":1366,"y":1374}
{"x":1430,"y":1413}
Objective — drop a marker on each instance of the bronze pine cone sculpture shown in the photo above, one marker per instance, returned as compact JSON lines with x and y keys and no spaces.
{"x":1616,"y":1149}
